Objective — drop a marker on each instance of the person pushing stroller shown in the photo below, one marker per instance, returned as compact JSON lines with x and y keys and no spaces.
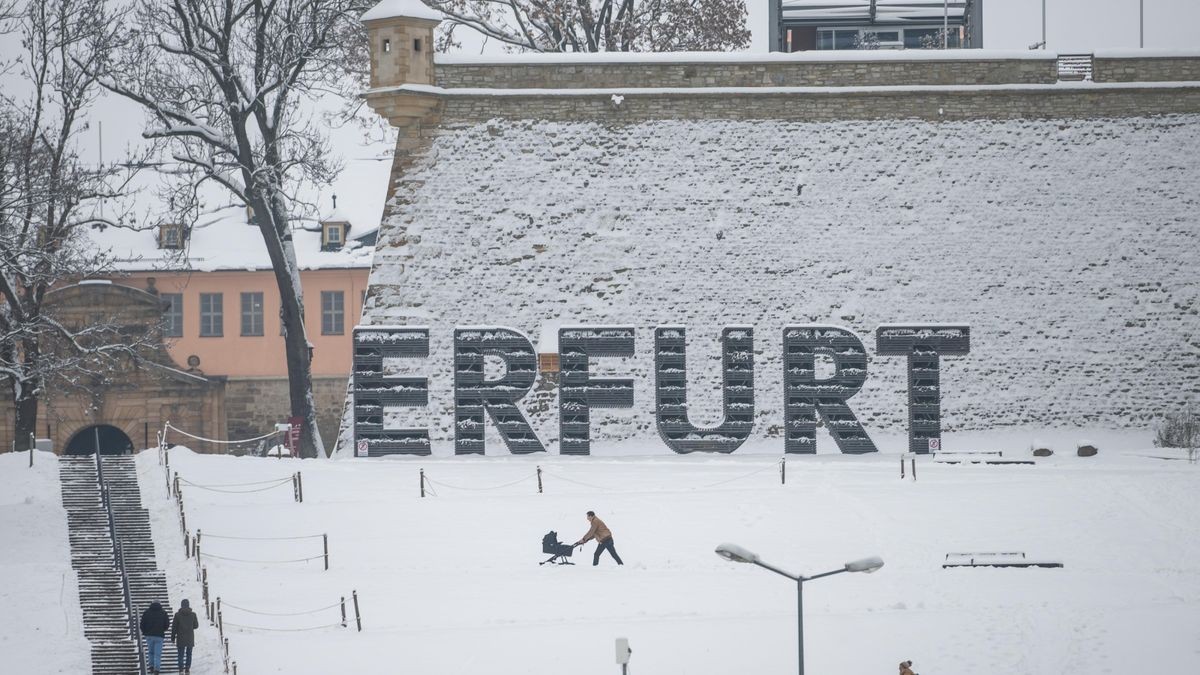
{"x":603,"y":536}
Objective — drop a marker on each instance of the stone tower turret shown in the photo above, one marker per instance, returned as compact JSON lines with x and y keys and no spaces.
{"x":401,"y":42}
{"x":401,"y":47}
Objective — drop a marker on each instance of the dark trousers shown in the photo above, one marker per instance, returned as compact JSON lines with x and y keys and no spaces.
{"x":184,"y":656}
{"x":606,"y":545}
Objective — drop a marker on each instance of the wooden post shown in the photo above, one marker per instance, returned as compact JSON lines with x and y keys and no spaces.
{"x":176,"y":483}
{"x":357,"y":616}
{"x":343,"y":611}
{"x":422,"y":483}
{"x":225,"y":643}
{"x":187,"y":546}
{"x":295,"y":490}
{"x":235,"y":668}
{"x":218,"y":605}
{"x":299,"y":487}
{"x":783,"y":470}
{"x":197,"y":541}
{"x":539,"y":475}
{"x":325,"y":541}
{"x":914,"y":468}
{"x":32,"y":442}
{"x":901,"y":467}
{"x":220,"y":620}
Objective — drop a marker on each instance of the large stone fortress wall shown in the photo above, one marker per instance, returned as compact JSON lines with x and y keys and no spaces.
{"x":772,"y":190}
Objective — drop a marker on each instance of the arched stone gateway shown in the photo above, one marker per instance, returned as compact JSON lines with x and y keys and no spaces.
{"x":107,"y":438}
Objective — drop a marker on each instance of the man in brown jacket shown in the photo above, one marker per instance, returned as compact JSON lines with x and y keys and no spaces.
{"x":603,"y":536}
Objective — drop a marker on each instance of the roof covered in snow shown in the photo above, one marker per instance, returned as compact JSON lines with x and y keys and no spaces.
{"x":872,"y":11}
{"x":224,"y":240}
{"x":389,"y":9}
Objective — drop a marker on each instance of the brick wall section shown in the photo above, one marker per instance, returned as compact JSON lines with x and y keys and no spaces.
{"x":1159,"y":69}
{"x":747,"y":74}
{"x":929,"y":105}
{"x":255,"y":406}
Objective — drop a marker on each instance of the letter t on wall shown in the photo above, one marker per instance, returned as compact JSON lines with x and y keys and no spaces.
{"x":923,"y":344}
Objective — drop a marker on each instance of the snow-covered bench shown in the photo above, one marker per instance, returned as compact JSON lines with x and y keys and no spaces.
{"x":1008,"y":559}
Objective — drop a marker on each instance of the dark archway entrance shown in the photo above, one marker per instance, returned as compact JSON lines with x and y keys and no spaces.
{"x":111,"y":440}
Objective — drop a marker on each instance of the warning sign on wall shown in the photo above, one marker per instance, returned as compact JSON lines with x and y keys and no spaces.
{"x":935,"y":444}
{"x":360,"y":450}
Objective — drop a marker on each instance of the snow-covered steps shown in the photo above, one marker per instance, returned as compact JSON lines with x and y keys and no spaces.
{"x":93,"y":555}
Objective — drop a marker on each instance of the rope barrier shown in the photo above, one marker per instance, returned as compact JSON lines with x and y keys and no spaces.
{"x":251,"y":611}
{"x":206,"y":554}
{"x":478,"y":489}
{"x":225,"y":485}
{"x":730,"y":480}
{"x":577,"y":482}
{"x":272,"y":486}
{"x":226,"y":536}
{"x":285,"y":630}
{"x":213,"y":440}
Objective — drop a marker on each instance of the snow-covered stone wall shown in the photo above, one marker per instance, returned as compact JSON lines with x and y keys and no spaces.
{"x":1069,"y":247}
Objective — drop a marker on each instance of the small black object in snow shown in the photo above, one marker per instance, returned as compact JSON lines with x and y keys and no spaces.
{"x":559,"y":552}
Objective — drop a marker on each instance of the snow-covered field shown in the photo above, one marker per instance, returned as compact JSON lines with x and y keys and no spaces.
{"x":41,"y":625}
{"x":450,"y":583}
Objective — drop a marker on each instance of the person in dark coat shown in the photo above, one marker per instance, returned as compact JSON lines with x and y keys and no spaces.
{"x":603,"y":536}
{"x":154,"y":626}
{"x":183,"y":634}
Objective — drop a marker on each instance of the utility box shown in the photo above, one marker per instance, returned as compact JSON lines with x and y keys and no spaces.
{"x":623,"y":652}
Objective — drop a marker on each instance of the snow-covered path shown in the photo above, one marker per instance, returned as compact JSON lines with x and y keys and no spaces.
{"x":450,"y":584}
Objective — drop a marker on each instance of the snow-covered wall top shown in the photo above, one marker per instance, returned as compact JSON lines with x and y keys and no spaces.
{"x":1068,"y":246}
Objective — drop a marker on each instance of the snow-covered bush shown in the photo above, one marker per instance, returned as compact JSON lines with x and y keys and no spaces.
{"x":1179,"y":430}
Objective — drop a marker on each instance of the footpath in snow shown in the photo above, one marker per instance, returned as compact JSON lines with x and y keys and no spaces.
{"x":41,"y":625}
{"x":450,"y":583}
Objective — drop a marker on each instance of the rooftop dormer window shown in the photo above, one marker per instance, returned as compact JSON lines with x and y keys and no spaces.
{"x":333,"y":236}
{"x":170,"y":236}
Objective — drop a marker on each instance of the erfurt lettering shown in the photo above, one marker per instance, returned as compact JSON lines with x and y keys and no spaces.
{"x":807,"y":398}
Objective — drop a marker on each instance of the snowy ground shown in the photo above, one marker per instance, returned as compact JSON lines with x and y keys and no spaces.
{"x":450,"y":584}
{"x":41,"y":625}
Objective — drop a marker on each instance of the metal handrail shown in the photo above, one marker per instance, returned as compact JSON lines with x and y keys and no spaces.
{"x":119,"y":566}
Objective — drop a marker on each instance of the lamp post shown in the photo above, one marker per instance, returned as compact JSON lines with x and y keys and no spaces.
{"x":735,"y":553}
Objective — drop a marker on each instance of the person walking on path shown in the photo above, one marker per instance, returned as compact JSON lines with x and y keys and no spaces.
{"x":183,"y":634}
{"x":603,"y":536}
{"x":154,"y":626}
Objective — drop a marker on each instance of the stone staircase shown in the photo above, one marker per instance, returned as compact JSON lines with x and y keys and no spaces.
{"x":93,"y":555}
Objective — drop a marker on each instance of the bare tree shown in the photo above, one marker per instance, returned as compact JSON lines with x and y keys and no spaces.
{"x":223,"y":83}
{"x":48,"y":199}
{"x":1180,"y":430}
{"x":602,"y":25}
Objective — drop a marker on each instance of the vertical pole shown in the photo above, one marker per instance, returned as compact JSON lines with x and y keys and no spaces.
{"x":220,"y":620}
{"x":295,"y":490}
{"x":357,"y":616}
{"x":783,"y":470}
{"x":300,"y":486}
{"x":914,"y":468}
{"x":325,"y":540}
{"x":96,"y":435}
{"x":901,"y":467}
{"x":146,"y":433}
{"x":945,"y":24}
{"x":1142,"y":24}
{"x":422,"y":483}
{"x":800,"y":620}
{"x":539,"y":475}
{"x":187,"y":546}
{"x":1043,"y":24}
{"x":32,"y":442}
{"x":343,"y":611}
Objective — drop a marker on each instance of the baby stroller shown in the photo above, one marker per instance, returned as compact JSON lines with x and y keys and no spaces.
{"x":559,"y":552}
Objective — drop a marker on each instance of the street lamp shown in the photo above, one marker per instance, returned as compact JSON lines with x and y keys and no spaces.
{"x":735,"y":553}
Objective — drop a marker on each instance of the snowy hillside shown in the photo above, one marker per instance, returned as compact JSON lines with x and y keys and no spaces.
{"x":450,"y":584}
{"x":41,"y":625}
{"x":1068,"y":246}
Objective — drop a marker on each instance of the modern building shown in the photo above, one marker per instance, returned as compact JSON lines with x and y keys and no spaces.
{"x":804,"y":25}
